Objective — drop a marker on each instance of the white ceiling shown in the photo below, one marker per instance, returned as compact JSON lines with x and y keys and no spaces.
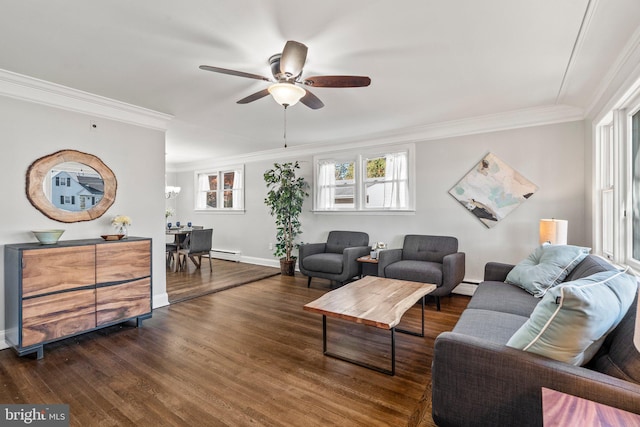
{"x":430,"y":61}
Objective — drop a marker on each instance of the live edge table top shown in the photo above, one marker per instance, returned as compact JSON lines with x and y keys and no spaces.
{"x":374,"y":301}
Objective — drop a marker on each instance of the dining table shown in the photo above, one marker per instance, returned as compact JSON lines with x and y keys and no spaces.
{"x":177,"y":232}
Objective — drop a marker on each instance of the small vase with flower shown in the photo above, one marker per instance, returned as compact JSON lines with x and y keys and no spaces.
{"x":121,"y":223}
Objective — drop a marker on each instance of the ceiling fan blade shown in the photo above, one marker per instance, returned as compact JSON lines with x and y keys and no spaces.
{"x":233,"y":73}
{"x":337,"y":81}
{"x":311,"y":101}
{"x":293,"y":58}
{"x":254,"y":96}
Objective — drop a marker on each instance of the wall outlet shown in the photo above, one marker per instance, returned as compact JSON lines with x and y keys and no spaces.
{"x":270,"y":246}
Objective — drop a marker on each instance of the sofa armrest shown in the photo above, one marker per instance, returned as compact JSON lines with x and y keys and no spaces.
{"x":496,"y":271}
{"x":453,"y":270}
{"x":353,"y":253}
{"x":476,"y":382}
{"x":349,"y":260}
{"x":386,"y":257}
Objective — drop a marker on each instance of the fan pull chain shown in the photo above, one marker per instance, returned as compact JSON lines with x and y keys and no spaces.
{"x":285,"y":125}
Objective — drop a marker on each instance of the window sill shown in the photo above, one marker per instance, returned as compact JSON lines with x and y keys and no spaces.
{"x":220,"y":211}
{"x":366,"y":212}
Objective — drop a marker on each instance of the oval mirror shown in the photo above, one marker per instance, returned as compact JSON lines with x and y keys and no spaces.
{"x":71,"y":186}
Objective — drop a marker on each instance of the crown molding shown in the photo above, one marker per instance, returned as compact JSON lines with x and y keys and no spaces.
{"x":587,"y":18}
{"x":538,"y":116}
{"x":629,"y":57}
{"x":30,"y":89}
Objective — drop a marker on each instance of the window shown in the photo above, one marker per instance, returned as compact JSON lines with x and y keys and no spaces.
{"x":220,"y":190}
{"x":606,"y":189}
{"x":635,"y":192}
{"x":365,"y":181}
{"x":617,"y":168}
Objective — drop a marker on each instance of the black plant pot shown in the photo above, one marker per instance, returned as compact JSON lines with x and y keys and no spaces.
{"x":287,"y":268}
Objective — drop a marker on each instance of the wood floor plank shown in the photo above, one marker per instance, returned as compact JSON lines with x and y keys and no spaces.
{"x":247,"y":356}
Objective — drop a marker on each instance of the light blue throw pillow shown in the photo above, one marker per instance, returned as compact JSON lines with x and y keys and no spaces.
{"x":572,"y":320}
{"x":547,"y":266}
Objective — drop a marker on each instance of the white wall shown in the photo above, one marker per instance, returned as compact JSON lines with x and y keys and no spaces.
{"x":551,"y":156}
{"x":135,"y":154}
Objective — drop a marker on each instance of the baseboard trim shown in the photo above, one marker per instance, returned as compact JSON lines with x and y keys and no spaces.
{"x":161,"y":300}
{"x":266,"y":262}
{"x":226,"y":254}
{"x":3,"y":343}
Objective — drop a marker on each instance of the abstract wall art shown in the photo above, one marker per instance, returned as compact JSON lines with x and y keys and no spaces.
{"x":492,"y":190}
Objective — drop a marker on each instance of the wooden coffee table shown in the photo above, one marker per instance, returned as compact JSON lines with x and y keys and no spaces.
{"x":373,"y":301}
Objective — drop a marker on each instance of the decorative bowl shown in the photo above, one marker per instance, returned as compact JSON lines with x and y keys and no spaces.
{"x":48,"y":237}
{"x":112,"y":236}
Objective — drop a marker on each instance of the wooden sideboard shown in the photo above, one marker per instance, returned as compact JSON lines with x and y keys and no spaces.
{"x":57,"y":291}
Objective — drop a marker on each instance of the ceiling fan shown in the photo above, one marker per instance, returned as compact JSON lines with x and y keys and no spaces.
{"x":286,"y":68}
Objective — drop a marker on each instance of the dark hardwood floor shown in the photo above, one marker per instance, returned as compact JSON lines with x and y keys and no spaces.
{"x":249,"y":355}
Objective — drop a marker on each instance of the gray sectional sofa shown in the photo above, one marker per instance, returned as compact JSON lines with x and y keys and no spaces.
{"x":479,"y":381}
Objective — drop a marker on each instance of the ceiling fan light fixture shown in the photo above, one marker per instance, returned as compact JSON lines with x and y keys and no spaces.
{"x":286,"y":94}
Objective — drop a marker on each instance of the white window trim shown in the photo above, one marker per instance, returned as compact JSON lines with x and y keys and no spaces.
{"x":619,"y":117}
{"x":220,"y":172}
{"x":358,"y":156}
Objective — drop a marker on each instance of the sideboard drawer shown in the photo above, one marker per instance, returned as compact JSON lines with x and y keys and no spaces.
{"x":58,"y":315}
{"x":123,"y":261}
{"x":123,"y":301}
{"x":57,"y":269}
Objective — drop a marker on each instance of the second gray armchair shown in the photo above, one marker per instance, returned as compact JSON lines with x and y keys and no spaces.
{"x":427,"y":259}
{"x":336,"y":259}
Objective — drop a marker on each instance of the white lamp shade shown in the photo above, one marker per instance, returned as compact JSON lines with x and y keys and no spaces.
{"x":554,"y":231}
{"x":286,"y":93}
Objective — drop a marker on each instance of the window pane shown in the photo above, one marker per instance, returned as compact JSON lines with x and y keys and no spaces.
{"x":607,"y":223}
{"x":213,"y":182}
{"x":374,"y":196}
{"x":345,"y":196}
{"x":228,"y":180}
{"x":376,"y":167}
{"x":635,"y":142}
{"x":228,"y":198}
{"x":345,"y":171}
{"x":212,"y":199}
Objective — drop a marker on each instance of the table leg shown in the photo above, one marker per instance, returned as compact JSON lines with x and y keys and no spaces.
{"x":417,"y":334}
{"x":357,"y":362}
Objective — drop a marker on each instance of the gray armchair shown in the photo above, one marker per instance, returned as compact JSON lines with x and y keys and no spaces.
{"x":336,"y":259}
{"x":427,"y":259}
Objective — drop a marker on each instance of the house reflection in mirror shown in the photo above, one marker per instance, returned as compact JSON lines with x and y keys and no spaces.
{"x":73,"y":186}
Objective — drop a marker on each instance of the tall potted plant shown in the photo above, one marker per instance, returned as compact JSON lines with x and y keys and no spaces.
{"x":284,"y":199}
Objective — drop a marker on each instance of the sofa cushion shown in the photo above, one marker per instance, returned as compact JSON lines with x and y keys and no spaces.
{"x":415,"y":271}
{"x":618,"y":356}
{"x":324,"y":263}
{"x":592,"y":264}
{"x":337,"y":241}
{"x":572,"y":320}
{"x":428,"y":248}
{"x":489,"y":325}
{"x":503,"y":297}
{"x":547,"y":266}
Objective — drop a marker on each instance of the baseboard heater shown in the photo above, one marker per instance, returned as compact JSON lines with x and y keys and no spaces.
{"x":226,"y":254}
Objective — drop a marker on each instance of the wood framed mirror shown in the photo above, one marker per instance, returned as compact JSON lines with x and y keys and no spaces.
{"x":71,"y":186}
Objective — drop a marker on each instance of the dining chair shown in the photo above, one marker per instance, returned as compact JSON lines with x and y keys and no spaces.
{"x":198,"y":245}
{"x":171,"y":248}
